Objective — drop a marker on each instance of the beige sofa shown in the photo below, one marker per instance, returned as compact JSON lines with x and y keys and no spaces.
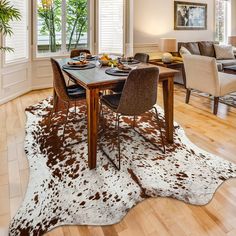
{"x":206,"y":48}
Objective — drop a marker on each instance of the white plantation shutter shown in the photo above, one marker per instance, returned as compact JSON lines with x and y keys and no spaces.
{"x":111,"y":26}
{"x":19,"y":40}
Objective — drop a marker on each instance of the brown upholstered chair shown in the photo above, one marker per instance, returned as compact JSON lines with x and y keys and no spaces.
{"x":141,"y":84}
{"x":66,"y":94}
{"x":142,"y":57}
{"x":76,"y":52}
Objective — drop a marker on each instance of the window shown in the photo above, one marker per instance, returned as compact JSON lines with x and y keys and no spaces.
{"x":111,"y":26}
{"x":61,"y":25}
{"x":223,"y":20}
{"x":19,"y":40}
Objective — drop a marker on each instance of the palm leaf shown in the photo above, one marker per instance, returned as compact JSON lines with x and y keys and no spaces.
{"x":8,"y":13}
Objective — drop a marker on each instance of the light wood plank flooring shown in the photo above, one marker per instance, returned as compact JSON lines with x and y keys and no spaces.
{"x":153,"y":217}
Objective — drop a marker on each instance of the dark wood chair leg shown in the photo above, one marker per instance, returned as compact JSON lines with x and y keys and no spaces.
{"x":216,"y":103}
{"x":188,"y":93}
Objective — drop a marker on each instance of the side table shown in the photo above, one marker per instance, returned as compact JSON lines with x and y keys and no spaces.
{"x":177,"y":65}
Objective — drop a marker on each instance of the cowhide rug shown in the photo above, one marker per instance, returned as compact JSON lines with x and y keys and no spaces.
{"x":63,"y":191}
{"x":229,"y":99}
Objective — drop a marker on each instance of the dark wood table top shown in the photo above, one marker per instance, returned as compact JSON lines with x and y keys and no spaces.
{"x":97,"y":77}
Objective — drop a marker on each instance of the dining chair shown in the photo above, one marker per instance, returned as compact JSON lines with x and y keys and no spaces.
{"x":202,"y":75}
{"x":138,"y":96}
{"x":142,"y":57}
{"x":66,"y":94}
{"x":76,"y":52}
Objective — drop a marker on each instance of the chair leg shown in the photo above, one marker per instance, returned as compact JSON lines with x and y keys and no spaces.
{"x":216,"y":103}
{"x":75,"y":109}
{"x":118,"y":141}
{"x":101,"y":117}
{"x":188,"y":93}
{"x":67,"y":112}
{"x":134,"y":122}
{"x":116,"y":122}
{"x":161,"y":133}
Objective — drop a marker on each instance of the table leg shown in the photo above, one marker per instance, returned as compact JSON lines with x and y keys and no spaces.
{"x":92,"y":96}
{"x":168,"y":97}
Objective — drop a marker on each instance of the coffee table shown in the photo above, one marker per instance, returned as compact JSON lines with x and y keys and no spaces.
{"x":230,"y":69}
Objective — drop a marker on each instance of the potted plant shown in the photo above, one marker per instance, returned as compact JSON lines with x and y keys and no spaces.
{"x":8,"y":13}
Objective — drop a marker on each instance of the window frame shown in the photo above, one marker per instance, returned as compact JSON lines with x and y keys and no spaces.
{"x":124,"y":27}
{"x":6,"y":64}
{"x":63,"y":52}
{"x":227,"y":22}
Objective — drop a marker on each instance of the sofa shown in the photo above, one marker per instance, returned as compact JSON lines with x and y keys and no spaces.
{"x":206,"y":48}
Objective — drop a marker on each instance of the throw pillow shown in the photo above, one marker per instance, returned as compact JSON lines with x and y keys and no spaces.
{"x":224,"y":51}
{"x":207,"y":48}
{"x":184,"y":51}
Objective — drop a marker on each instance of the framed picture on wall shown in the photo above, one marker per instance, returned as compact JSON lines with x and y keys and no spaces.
{"x":190,"y":16}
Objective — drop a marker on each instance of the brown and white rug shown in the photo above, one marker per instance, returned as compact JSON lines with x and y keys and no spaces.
{"x":63,"y":191}
{"x":229,"y":99}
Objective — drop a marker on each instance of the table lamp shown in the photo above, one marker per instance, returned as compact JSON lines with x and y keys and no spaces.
{"x":167,"y":45}
{"x":232,"y":40}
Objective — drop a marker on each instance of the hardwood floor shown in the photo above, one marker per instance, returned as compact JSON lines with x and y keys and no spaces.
{"x":153,"y":217}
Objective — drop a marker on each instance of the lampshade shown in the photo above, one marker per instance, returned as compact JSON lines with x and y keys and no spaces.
{"x":168,"y":45}
{"x":232,"y":40}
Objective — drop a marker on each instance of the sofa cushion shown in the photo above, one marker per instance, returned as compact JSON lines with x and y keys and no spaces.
{"x":227,"y":62}
{"x":191,"y":46}
{"x":224,"y":51}
{"x":207,"y":48}
{"x":227,"y":83}
{"x":219,"y":66}
{"x":184,"y":51}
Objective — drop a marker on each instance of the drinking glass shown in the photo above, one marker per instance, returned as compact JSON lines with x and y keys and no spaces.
{"x":125,"y":61}
{"x":82,"y":56}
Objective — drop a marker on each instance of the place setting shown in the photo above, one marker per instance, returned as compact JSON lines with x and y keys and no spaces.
{"x":129,"y":60}
{"x":78,"y":65}
{"x":85,"y":56}
{"x":119,"y":70}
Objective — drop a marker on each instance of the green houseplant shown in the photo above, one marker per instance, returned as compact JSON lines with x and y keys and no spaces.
{"x":8,"y":13}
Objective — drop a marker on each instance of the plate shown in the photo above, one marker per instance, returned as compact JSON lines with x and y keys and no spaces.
{"x":121,"y":70}
{"x":92,"y":58}
{"x":84,"y":67}
{"x":77,"y":65}
{"x":113,"y":71}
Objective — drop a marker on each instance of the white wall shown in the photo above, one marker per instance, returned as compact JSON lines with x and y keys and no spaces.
{"x":154,"y":19}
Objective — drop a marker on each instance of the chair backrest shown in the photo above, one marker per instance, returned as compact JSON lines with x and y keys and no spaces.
{"x":140,"y":91}
{"x":76,"y":52}
{"x":59,"y":83}
{"x":142,"y":57}
{"x":202,"y":74}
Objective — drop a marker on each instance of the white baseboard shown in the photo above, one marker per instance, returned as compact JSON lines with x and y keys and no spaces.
{"x":13,"y":96}
{"x":20,"y":93}
{"x":37,"y":87}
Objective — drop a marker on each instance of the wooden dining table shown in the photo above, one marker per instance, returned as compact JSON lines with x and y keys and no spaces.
{"x":96,"y":80}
